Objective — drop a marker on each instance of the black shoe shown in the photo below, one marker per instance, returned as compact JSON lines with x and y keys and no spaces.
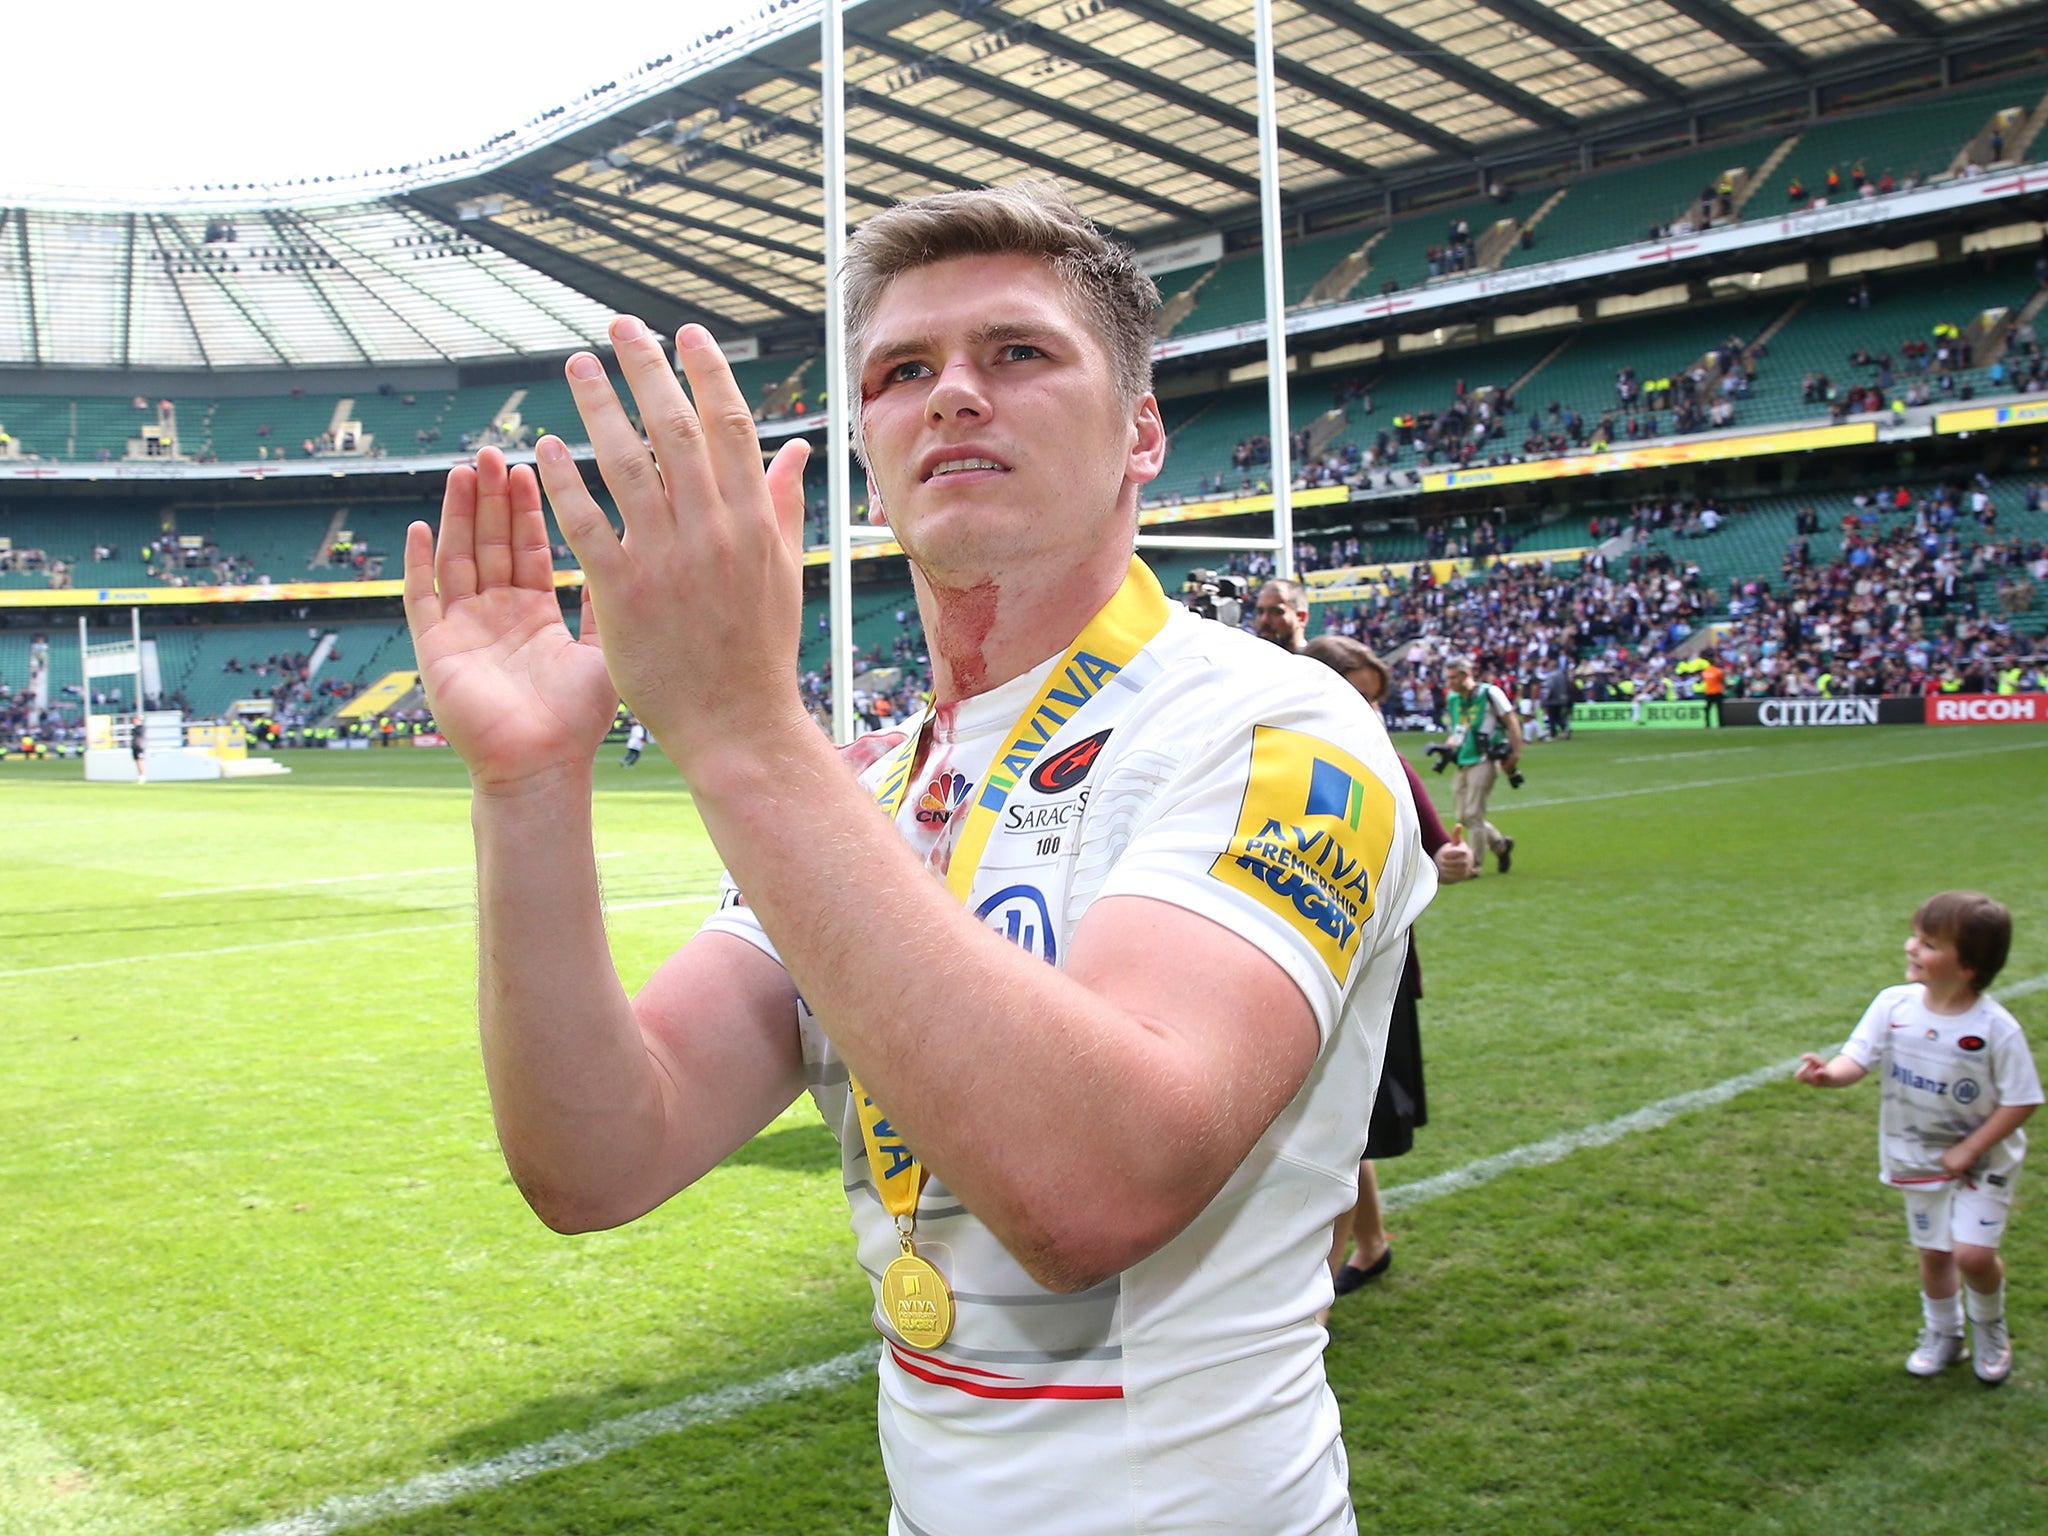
{"x":1506,"y":854}
{"x":1351,"y":1278}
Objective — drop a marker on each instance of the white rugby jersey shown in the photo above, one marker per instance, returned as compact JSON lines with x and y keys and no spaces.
{"x":1943,"y":1076}
{"x":1223,"y":775}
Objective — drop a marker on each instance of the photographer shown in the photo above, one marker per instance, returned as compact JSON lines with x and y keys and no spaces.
{"x":1485,"y":737}
{"x":1401,"y":1104}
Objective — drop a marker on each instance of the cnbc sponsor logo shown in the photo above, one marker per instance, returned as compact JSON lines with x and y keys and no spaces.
{"x":941,"y":798}
{"x":1312,"y":838}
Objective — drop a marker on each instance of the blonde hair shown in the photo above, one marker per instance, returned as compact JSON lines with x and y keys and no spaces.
{"x":1031,"y":218}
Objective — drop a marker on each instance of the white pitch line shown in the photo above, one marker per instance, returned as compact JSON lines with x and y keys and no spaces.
{"x":380,"y":874}
{"x":1665,"y":757}
{"x":569,"y":1449}
{"x":321,"y":938}
{"x":1786,"y":773}
{"x":1557,"y":1148}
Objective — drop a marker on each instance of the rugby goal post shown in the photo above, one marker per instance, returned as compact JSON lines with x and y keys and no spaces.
{"x":169,"y":751}
{"x":837,"y":423}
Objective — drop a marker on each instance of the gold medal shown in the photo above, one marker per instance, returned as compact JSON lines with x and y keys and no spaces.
{"x":916,"y":1303}
{"x":915,"y":1300}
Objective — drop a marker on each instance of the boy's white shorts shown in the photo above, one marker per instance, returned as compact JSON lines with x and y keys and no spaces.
{"x":1974,"y":1212}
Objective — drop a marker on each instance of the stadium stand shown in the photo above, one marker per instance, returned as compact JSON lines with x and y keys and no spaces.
{"x":1620,"y":206}
{"x":1921,"y":141}
{"x":1402,"y":257}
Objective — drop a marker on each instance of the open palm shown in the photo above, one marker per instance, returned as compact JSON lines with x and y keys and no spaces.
{"x":513,"y":691}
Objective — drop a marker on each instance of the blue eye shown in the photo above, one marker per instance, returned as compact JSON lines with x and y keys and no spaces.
{"x":1019,"y":351}
{"x":905,"y":371}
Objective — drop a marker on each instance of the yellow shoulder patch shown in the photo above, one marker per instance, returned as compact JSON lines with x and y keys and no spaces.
{"x":1312,"y":840}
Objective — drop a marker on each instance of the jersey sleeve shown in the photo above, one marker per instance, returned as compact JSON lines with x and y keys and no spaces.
{"x":862,"y":757}
{"x":732,"y":915}
{"x":1866,"y":1042}
{"x":2013,"y":1072}
{"x":1292,"y":829}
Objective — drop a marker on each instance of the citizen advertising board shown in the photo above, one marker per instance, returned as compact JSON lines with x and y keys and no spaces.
{"x":1846,"y":711}
{"x":1987,"y":708}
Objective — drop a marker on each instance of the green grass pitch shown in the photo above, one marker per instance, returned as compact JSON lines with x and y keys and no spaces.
{"x":262,"y":1266}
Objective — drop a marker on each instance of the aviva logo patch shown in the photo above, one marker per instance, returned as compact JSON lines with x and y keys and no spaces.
{"x":1333,"y":792}
{"x":1312,"y":840}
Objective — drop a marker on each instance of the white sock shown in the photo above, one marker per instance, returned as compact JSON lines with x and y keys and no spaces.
{"x":1986,"y":1306}
{"x":1943,"y":1312}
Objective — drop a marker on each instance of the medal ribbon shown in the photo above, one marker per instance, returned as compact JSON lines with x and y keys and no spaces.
{"x":1124,"y":627}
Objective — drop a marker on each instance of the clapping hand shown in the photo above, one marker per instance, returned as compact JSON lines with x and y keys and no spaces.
{"x":517,"y":695}
{"x":702,"y":600}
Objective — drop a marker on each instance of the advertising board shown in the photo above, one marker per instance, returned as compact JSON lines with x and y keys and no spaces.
{"x":1847,"y":711}
{"x":1987,"y":708}
{"x":1658,"y":714}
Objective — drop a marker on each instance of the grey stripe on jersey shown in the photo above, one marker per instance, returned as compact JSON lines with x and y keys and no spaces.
{"x":1109,"y":1290}
{"x":955,"y":1351}
{"x":826,"y":1074}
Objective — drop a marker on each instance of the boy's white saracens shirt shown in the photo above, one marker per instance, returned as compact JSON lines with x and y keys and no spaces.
{"x":1943,"y":1076}
{"x":1222,"y":775}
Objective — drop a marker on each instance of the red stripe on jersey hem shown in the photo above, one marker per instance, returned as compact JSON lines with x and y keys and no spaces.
{"x":983,"y":1389}
{"x":948,"y":1365}
{"x":1902,"y":1183}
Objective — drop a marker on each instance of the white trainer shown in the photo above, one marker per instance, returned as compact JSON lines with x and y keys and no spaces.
{"x":1937,"y":1351}
{"x":1991,"y":1352}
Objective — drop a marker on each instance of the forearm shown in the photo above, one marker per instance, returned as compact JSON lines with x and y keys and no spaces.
{"x":1066,"y":1123}
{"x":1838,"y":1073}
{"x":577,"y":1109}
{"x":1998,"y":1125}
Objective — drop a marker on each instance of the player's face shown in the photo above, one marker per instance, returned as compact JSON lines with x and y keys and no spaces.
{"x":1933,"y":962}
{"x":991,"y":418}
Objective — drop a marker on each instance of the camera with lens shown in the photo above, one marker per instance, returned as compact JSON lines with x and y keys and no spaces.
{"x":1500,"y":752}
{"x":1444,"y":753}
{"x":1211,"y":596}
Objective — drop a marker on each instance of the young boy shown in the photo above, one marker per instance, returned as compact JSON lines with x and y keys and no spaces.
{"x":1958,"y":1085}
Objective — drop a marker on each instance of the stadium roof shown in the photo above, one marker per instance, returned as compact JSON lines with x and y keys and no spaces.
{"x":694,"y":189}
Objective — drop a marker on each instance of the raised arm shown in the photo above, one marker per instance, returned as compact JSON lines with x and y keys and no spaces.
{"x":604,"y":1108}
{"x":1086,"y":1114}
{"x":1839,"y":1073}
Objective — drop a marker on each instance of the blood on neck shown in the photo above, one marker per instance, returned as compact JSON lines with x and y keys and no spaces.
{"x":965,"y":617}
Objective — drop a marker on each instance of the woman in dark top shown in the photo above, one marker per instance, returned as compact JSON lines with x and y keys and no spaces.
{"x":1401,"y":1104}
